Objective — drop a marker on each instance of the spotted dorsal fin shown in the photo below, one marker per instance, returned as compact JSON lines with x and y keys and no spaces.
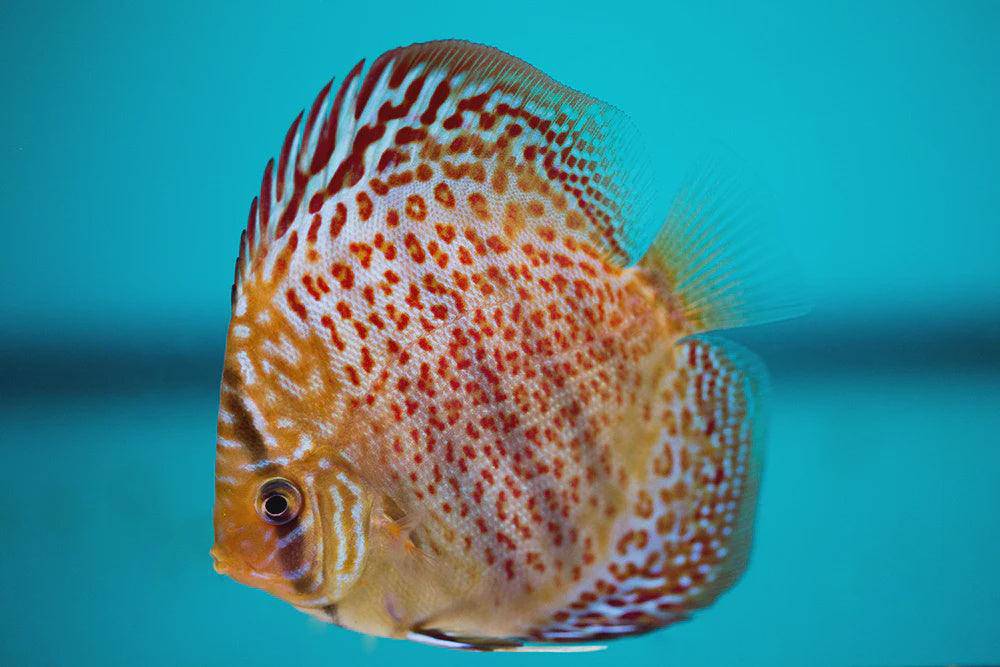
{"x":369,"y":126}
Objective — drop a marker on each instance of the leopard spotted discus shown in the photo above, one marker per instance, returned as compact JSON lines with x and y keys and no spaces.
{"x":467,"y":399}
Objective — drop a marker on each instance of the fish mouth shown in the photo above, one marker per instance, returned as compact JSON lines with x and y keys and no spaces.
{"x":218,"y":564}
{"x":241,"y":572}
{"x":222,"y":565}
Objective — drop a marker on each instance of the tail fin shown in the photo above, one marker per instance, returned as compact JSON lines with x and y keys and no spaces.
{"x":719,"y":256}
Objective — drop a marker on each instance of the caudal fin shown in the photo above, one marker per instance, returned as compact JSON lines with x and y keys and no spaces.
{"x":719,"y":255}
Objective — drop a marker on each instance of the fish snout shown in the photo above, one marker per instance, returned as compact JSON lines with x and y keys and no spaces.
{"x":218,"y":563}
{"x":235,"y":568}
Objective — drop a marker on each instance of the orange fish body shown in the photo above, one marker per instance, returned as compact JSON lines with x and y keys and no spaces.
{"x":455,"y":407}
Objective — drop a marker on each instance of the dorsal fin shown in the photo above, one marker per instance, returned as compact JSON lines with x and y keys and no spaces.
{"x":581,"y":144}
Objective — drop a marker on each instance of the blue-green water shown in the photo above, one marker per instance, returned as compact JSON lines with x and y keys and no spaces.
{"x":134,"y":137}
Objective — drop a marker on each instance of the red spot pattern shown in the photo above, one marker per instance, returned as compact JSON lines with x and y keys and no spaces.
{"x":295,"y":304}
{"x":683,"y":523}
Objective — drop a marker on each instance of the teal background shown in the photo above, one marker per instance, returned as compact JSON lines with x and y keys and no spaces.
{"x":133,"y":138}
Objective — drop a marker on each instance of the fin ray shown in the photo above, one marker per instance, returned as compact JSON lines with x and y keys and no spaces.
{"x":719,"y":254}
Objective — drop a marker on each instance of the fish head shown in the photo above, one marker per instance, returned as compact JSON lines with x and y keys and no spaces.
{"x":290,"y":517}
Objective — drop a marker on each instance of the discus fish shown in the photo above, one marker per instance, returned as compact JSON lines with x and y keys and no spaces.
{"x":467,"y":399}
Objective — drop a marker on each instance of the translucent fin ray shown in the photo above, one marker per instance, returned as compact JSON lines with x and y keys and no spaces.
{"x":720,"y":255}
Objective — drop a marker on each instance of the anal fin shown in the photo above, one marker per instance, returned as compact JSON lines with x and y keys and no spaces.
{"x":688,"y":537}
{"x":441,"y":639}
{"x":727,"y":391}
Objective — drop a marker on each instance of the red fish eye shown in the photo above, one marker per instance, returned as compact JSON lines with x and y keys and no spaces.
{"x":278,"y":501}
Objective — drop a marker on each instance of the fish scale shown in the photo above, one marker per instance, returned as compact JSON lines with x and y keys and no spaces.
{"x":448,"y":334}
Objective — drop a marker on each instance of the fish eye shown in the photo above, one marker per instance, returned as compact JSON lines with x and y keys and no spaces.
{"x":278,"y":501}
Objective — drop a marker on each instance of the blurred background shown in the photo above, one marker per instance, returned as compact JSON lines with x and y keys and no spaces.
{"x":134,"y":136}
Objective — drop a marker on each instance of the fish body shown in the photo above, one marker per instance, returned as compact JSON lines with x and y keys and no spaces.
{"x":466,"y":397}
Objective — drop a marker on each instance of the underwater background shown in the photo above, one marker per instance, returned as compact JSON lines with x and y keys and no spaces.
{"x":133,"y":138}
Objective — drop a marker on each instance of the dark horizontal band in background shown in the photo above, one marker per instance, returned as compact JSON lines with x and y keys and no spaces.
{"x":157,"y":363}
